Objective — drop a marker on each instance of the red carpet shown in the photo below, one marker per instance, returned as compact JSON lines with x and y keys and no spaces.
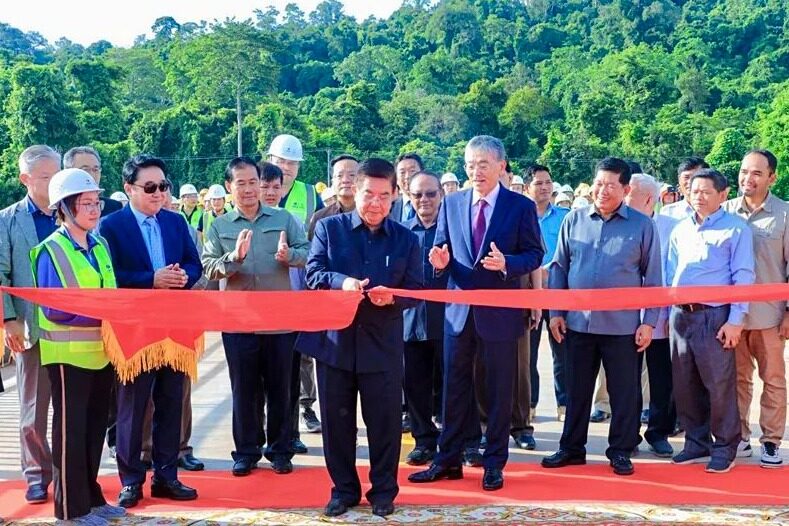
{"x":526,"y":483}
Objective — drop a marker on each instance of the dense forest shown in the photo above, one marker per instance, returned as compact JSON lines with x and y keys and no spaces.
{"x":565,"y":82}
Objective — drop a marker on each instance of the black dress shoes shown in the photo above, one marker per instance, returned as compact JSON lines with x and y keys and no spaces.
{"x":472,"y":458}
{"x":622,"y":465}
{"x":436,"y":472}
{"x":190,"y":463}
{"x":243,"y":467}
{"x":130,"y":496}
{"x":282,"y":466}
{"x":336,"y":507}
{"x":562,"y":458}
{"x":420,"y":456}
{"x":383,"y":510}
{"x":172,"y":490}
{"x":298,"y":447}
{"x":493,"y":479}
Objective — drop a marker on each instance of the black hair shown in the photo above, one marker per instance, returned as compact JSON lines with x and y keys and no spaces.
{"x":532,"y":169}
{"x":691,"y":163}
{"x":635,"y":168}
{"x":616,"y":165}
{"x":719,"y":181}
{"x":270,"y":172}
{"x":427,"y":173}
{"x":507,"y":167}
{"x":413,"y":156}
{"x":342,"y":157}
{"x":378,"y":169}
{"x":772,"y":160}
{"x":131,"y":168}
{"x":238,"y":162}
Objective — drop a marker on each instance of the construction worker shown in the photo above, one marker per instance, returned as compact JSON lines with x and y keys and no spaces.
{"x":189,"y":205}
{"x":299,"y":198}
{"x":72,"y":349}
{"x":450,"y":183}
{"x":122,"y":198}
{"x":516,"y":185}
{"x":201,"y":201}
{"x":217,"y":199}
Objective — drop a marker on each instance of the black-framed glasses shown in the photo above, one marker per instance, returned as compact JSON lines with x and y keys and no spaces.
{"x":432,"y":194}
{"x":150,"y":187}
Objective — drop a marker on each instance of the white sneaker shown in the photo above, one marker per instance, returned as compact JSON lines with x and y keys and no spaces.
{"x":744,"y":449}
{"x":771,"y":456}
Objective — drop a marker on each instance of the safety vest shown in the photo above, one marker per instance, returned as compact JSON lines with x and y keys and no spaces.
{"x":301,"y":201}
{"x":78,"y":346}
{"x":195,"y":219}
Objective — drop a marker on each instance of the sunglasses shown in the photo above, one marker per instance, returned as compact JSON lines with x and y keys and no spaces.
{"x":430,"y":195}
{"x":150,"y":187}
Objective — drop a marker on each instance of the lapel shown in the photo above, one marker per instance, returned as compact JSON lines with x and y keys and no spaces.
{"x":26,"y":224}
{"x":133,"y":230}
{"x":465,"y":223}
{"x":496,"y":220}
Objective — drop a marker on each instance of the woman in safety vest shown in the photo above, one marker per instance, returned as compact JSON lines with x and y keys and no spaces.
{"x":72,"y":349}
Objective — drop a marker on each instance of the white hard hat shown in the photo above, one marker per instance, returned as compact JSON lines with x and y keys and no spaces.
{"x":174,"y":200}
{"x":562,"y":197}
{"x":556,"y":187}
{"x":216,"y":191}
{"x":517,"y":179}
{"x":68,"y":182}
{"x":328,"y":194}
{"x":286,"y":147}
{"x":120,"y":196}
{"x":567,"y":189}
{"x":187,"y":189}
{"x":449,"y":177}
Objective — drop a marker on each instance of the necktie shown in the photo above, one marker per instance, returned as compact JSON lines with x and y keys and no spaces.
{"x":154,"y":244}
{"x":478,"y":230}
{"x":410,"y":213}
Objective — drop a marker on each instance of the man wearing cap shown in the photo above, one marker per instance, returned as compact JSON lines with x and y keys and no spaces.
{"x":189,"y":209}
{"x":122,"y":198}
{"x":299,"y":198}
{"x":88,"y":159}
{"x":24,"y":225}
{"x":450,"y":183}
{"x":516,"y":184}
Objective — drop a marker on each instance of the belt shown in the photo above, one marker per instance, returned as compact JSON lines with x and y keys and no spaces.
{"x":694,"y":307}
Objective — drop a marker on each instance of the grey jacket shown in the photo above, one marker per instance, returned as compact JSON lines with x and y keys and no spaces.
{"x":17,"y":237}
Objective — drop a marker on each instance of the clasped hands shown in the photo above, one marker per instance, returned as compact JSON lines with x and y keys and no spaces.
{"x":439,"y":257}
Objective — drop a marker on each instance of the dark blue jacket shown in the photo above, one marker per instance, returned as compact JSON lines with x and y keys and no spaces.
{"x":133,"y":268}
{"x":426,"y":320}
{"x":515,"y":230}
{"x":344,"y":247}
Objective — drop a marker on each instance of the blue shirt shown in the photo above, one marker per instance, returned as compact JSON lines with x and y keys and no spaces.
{"x":550,"y":222}
{"x":152,"y":236}
{"x":717,"y":251}
{"x":45,"y":224}
{"x":426,"y":320}
{"x":47,"y":277}
{"x":595,"y":253}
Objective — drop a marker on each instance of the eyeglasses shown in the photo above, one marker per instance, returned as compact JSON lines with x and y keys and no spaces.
{"x":90,"y":207}
{"x":432,"y":194}
{"x":150,"y":187}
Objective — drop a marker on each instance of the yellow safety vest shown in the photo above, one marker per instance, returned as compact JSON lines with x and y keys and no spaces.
{"x":78,"y":346}
{"x":301,"y":201}
{"x":195,"y":219}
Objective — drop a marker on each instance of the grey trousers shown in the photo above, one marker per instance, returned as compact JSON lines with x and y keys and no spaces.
{"x":35,"y":395}
{"x":309,"y":393}
{"x":705,"y":383}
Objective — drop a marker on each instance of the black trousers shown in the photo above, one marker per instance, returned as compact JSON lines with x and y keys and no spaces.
{"x":459,"y":403}
{"x":380,"y":395}
{"x":622,"y":365}
{"x":80,"y":402}
{"x":662,"y":413}
{"x":418,"y":385}
{"x":250,"y":357}
{"x":165,"y":386}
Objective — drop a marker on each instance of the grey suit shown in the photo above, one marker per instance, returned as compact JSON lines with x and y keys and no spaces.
{"x":17,"y":238}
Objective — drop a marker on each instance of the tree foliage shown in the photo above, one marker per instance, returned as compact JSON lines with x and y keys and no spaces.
{"x":563,"y":83}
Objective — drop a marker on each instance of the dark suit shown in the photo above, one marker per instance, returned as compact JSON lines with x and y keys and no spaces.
{"x":365,"y":359}
{"x":491,"y":331}
{"x":110,"y":206}
{"x":133,"y":269}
